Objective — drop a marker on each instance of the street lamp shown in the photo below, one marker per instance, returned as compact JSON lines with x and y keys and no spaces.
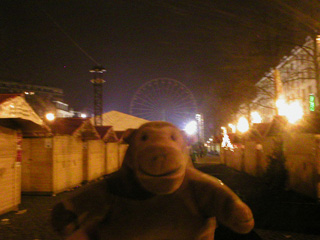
{"x":191,"y":127}
{"x":50,"y":116}
{"x":255,"y":117}
{"x":233,"y":127}
{"x":292,"y":111}
{"x":243,"y":125}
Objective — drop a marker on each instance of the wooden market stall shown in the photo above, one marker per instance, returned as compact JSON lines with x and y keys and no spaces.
{"x":122,"y":146}
{"x":10,"y":171}
{"x":111,"y":146}
{"x":120,"y":123}
{"x":293,"y":148}
{"x":94,"y":158}
{"x":17,"y":119}
{"x":55,"y":163}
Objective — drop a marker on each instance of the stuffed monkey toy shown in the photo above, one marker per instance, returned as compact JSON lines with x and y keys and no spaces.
{"x":156,"y":194}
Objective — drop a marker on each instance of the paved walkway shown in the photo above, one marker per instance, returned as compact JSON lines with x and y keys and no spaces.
{"x":32,"y":221}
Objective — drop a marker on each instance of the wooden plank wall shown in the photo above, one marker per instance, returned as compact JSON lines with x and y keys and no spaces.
{"x":112,"y":157}
{"x":250,"y":154}
{"x":9,"y":171}
{"x":122,"y":151}
{"x":302,"y":160}
{"x":300,"y":153}
{"x":67,"y":162}
{"x":96,"y":159}
{"x":37,"y":165}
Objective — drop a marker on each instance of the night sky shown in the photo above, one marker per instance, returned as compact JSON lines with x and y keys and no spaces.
{"x":199,"y":43}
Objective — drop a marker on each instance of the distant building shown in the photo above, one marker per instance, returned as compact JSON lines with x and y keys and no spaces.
{"x":29,"y":89}
{"x":265,"y":101}
{"x":298,"y":78}
{"x":42,"y":99}
{"x":200,"y":124}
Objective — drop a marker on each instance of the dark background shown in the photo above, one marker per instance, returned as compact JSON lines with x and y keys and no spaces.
{"x":203,"y":44}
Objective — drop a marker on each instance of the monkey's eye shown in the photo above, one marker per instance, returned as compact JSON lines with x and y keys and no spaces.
{"x":144,"y":137}
{"x":173,"y":137}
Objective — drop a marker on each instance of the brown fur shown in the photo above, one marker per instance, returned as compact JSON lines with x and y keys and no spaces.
{"x":158,"y":156}
{"x":155,"y":195}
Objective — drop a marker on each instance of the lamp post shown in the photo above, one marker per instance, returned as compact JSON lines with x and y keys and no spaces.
{"x":243,"y":125}
{"x":50,"y":116}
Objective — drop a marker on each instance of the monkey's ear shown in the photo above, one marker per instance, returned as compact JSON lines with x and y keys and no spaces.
{"x":128,"y":135}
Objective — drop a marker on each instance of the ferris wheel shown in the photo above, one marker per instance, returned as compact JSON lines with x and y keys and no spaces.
{"x":164,"y":99}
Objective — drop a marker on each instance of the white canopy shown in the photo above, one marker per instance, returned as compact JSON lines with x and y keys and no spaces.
{"x":121,"y":121}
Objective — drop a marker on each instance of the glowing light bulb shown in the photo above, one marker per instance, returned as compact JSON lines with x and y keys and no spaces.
{"x":243,"y":125}
{"x":233,"y":127}
{"x":281,"y":106}
{"x":50,"y":116}
{"x":256,"y":118}
{"x":294,"y":112}
{"x":191,"y":128}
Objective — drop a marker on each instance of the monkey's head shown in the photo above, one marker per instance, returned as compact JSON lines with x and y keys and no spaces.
{"x":158,"y":156}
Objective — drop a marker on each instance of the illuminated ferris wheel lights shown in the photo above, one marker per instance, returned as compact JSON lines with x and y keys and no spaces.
{"x":164,"y":99}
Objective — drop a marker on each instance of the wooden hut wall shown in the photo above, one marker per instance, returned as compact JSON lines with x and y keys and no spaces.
{"x":317,"y":163}
{"x":67,"y":162}
{"x":236,"y":159}
{"x":268,"y":144}
{"x":10,"y":171}
{"x":37,"y":172}
{"x":250,"y":157}
{"x":85,"y":161}
{"x":255,"y":158}
{"x":95,"y":159}
{"x":122,"y":151}
{"x":300,"y":154}
{"x":112,"y":157}
{"x":226,"y":157}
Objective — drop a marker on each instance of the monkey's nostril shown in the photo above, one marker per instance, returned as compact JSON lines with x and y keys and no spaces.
{"x":159,"y":158}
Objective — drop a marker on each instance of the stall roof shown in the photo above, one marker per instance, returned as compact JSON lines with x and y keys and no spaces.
{"x":107,"y":133}
{"x":258,"y":131}
{"x":262,"y":128}
{"x":16,"y":113}
{"x":120,"y":134}
{"x":121,"y":121}
{"x":74,"y":126}
{"x":277,"y":126}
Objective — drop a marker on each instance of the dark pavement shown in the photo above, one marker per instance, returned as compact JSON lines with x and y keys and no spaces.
{"x":285,"y":215}
{"x":31,"y":222}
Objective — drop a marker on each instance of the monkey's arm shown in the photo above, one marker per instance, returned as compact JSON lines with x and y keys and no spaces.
{"x":89,"y":205}
{"x":216,"y":199}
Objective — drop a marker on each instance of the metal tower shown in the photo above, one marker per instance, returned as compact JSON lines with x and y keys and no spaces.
{"x":97,"y":82}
